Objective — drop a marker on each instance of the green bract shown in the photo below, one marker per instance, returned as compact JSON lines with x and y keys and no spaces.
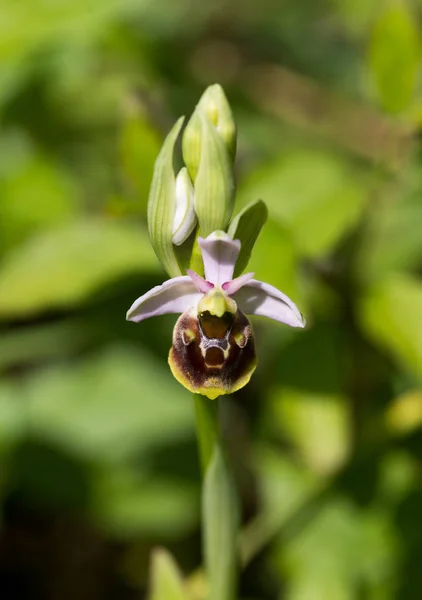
{"x":246,"y":227}
{"x":161,"y":204}
{"x":209,"y":146}
{"x":212,"y":104}
{"x":203,"y":192}
{"x":214,"y":184}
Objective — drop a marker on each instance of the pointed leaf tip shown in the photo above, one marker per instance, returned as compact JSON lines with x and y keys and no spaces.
{"x":166,"y":578}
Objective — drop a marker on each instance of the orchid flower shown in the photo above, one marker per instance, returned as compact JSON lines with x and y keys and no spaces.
{"x":213,"y":351}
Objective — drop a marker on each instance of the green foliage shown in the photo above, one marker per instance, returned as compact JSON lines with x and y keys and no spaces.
{"x":98,"y":458}
{"x":65,"y":265}
{"x":317,"y":196}
{"x":395,"y":55}
{"x":127,"y":504}
{"x":167,"y":583}
{"x":317,"y":426}
{"x":139,"y":145}
{"x":34,"y":183}
{"x":87,"y":421}
{"x":391,"y":314}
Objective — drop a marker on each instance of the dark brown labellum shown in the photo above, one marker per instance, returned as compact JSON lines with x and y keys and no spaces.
{"x":213,"y":355}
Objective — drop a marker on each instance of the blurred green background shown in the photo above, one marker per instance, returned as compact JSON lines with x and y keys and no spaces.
{"x":97,"y":441}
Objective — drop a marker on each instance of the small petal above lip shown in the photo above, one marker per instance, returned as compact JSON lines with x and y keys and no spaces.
{"x":173,"y":296}
{"x":200,"y":283}
{"x":233,"y":286}
{"x":219,"y":253}
{"x":258,"y":298}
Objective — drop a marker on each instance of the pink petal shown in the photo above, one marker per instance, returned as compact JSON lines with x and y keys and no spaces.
{"x":258,"y":298}
{"x":234,"y":285}
{"x":219,"y":253}
{"x":201,"y":284}
{"x":173,"y":296}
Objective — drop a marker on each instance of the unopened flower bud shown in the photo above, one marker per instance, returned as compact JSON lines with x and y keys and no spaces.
{"x":184,"y":220}
{"x":214,"y":106}
{"x":214,"y":184}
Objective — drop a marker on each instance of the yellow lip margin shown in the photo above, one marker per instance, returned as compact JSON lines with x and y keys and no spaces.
{"x":212,"y":390}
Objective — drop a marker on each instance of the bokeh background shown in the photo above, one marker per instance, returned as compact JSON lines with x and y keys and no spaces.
{"x":98,"y":459}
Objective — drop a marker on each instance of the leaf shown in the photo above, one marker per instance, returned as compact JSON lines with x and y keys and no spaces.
{"x":391,"y":239}
{"x":139,"y":146}
{"x":109,"y":407}
{"x":166,"y":579}
{"x":49,"y":341}
{"x":128,"y":503}
{"x":284,"y":484}
{"x":63,"y":267}
{"x":394,"y":56}
{"x":31,"y":26}
{"x":313,"y":194}
{"x":284,"y":488}
{"x":317,"y":425}
{"x":404,"y":415}
{"x":390,"y":313}
{"x":35,"y":195}
{"x":355,"y":547}
{"x":69,"y":20}
{"x":246,"y":227}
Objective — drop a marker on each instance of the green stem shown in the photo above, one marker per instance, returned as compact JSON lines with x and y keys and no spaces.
{"x":207,"y":427}
{"x":220,"y":514}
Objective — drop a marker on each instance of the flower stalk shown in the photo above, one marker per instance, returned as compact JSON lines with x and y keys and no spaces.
{"x":207,"y":428}
{"x":213,"y":349}
{"x":219,"y":505}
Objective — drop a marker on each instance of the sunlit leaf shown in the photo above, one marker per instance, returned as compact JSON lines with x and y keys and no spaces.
{"x":405,"y":413}
{"x":284,"y":488}
{"x":129,"y":503}
{"x":35,"y":195}
{"x":395,"y":54}
{"x":166,"y":579}
{"x":391,"y":239}
{"x":314,"y":194}
{"x":62,"y":267}
{"x":109,"y":407}
{"x":139,"y":147}
{"x":340,"y":549}
{"x":390,"y":313}
{"x":317,"y":425}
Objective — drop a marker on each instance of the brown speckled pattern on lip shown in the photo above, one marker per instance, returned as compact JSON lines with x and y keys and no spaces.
{"x":212,"y":366}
